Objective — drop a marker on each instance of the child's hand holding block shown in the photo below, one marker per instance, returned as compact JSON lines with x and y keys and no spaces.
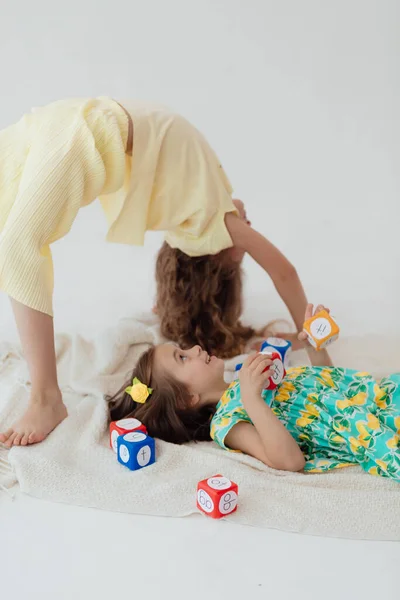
{"x":274,"y":344}
{"x":277,"y":367}
{"x":321,"y":330}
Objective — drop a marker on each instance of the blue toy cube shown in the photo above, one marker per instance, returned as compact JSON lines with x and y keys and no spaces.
{"x":136,"y":450}
{"x":274,"y":344}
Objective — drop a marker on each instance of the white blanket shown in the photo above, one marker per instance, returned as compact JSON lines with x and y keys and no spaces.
{"x":75,"y":464}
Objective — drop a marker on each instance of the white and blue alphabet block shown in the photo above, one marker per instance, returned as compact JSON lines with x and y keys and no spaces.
{"x":274,"y":344}
{"x":136,"y":450}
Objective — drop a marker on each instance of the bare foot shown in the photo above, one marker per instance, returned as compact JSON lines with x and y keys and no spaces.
{"x":41,"y":417}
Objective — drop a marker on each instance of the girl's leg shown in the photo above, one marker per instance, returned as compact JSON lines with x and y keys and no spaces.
{"x":55,"y":178}
{"x":46,"y":409}
{"x":71,"y":161}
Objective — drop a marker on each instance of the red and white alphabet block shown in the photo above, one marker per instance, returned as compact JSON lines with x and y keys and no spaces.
{"x":217,"y":496}
{"x":122,"y":427}
{"x":277,"y":368}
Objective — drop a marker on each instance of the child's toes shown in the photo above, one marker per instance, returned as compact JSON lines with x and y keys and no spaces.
{"x":10,"y":441}
{"x":33,"y":438}
{"x":17,"y":439}
{"x":4,"y":436}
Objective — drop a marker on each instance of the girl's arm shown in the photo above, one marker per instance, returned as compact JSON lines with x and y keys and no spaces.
{"x":268,"y":439}
{"x":281,"y":271}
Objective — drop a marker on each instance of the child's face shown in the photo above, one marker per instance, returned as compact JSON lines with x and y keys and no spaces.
{"x":198,"y":371}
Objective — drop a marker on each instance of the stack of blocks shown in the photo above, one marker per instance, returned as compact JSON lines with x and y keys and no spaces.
{"x":129,"y":439}
{"x":278,"y":350}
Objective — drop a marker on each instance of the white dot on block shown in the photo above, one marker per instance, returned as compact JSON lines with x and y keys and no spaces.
{"x":124,"y":453}
{"x":144,"y":456}
{"x":320,"y":328}
{"x":205,"y":501}
{"x":114,"y":437}
{"x":219,"y":483}
{"x":134,"y":436}
{"x":228,"y":502}
{"x":128,"y":423}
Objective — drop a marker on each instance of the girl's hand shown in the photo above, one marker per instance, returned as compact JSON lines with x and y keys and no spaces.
{"x":254,"y":374}
{"x":298,"y":340}
{"x":319,"y":358}
{"x":310,"y":312}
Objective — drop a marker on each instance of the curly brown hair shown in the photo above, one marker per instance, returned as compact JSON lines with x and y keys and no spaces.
{"x":167,"y":414}
{"x":199,"y":301}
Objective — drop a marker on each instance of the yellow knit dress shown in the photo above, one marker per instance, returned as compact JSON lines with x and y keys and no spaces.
{"x":63,"y":156}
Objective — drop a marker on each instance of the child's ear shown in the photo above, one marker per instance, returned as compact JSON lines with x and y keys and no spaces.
{"x":194,"y":400}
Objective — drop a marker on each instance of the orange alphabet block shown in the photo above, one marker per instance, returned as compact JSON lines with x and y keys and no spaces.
{"x":321,"y":329}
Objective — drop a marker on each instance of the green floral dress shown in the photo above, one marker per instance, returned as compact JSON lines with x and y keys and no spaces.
{"x":339,"y":417}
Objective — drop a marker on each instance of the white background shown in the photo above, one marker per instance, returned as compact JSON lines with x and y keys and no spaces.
{"x":300,"y":100}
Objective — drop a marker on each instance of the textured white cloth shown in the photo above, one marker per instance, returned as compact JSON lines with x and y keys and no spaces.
{"x":75,"y":464}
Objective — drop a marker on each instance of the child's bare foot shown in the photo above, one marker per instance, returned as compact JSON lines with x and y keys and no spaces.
{"x":43,"y":415}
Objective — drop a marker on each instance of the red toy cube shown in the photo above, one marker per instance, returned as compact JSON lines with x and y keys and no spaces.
{"x":122,"y":427}
{"x":217,"y":496}
{"x":278,"y":370}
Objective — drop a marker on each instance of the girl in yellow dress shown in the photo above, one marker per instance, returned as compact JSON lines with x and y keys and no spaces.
{"x":151,"y":170}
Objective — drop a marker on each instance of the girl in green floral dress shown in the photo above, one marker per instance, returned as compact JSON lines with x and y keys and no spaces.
{"x":317,"y":419}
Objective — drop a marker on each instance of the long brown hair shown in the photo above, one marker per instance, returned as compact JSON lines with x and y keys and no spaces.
{"x":199,"y":301}
{"x":167,"y":414}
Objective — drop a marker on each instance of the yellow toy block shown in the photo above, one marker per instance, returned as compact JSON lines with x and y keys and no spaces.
{"x":321,"y":330}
